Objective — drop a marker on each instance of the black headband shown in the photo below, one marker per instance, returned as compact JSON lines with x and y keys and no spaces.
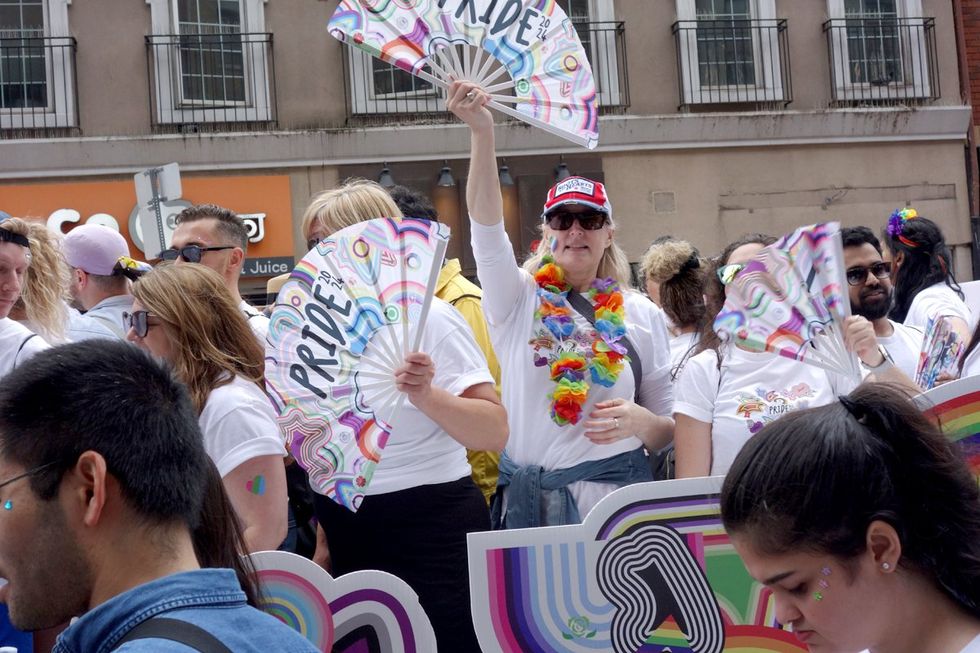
{"x":7,"y":236}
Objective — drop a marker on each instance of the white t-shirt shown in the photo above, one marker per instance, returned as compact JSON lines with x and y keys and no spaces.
{"x":679,"y":346}
{"x":749,"y":391}
{"x":17,"y":344}
{"x":937,"y":299}
{"x":509,"y":304}
{"x":904,"y":345}
{"x":971,"y":366}
{"x":257,"y":320}
{"x":239,"y":424}
{"x":419,"y":451}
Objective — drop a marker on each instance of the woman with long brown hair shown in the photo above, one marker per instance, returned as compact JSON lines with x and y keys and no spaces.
{"x":185,"y":315}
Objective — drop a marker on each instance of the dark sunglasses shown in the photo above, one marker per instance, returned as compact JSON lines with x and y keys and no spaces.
{"x":137,"y":321}
{"x":191,"y":253}
{"x":859,"y":274}
{"x":727,"y":273}
{"x":562,"y":220}
{"x":311,"y":243}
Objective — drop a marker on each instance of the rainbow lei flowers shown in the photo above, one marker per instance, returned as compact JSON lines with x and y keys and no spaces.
{"x":572,"y":370}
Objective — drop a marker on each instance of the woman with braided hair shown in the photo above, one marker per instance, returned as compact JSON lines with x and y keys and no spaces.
{"x":922,"y":274}
{"x":864,"y":522}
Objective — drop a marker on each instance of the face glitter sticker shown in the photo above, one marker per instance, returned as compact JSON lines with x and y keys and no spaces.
{"x":822,"y":584}
{"x":8,"y":505}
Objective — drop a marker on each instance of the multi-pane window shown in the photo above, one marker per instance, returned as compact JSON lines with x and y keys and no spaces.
{"x":873,"y":42}
{"x":23,"y":75}
{"x":724,"y":42}
{"x":212,"y":64}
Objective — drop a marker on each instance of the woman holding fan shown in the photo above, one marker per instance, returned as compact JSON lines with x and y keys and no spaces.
{"x":421,"y":501}
{"x":726,"y":394}
{"x":585,"y":368}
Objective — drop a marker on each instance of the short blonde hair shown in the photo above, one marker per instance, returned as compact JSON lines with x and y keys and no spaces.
{"x":46,"y":283}
{"x":356,"y":200}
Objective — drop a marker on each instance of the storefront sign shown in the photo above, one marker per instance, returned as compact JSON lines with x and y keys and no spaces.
{"x":263,"y":201}
{"x":271,"y":266}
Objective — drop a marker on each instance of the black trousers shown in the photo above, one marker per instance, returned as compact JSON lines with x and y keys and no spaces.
{"x":419,"y":535}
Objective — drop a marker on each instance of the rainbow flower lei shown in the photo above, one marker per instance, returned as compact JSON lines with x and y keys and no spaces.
{"x":571,"y":370}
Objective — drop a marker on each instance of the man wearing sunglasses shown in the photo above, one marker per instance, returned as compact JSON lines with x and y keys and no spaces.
{"x":216,"y":237}
{"x":870,"y":291}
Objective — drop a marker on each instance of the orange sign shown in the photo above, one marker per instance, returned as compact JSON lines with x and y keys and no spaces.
{"x":260,"y":194}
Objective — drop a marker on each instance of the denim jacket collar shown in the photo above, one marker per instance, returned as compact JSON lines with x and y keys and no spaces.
{"x":99,"y":629}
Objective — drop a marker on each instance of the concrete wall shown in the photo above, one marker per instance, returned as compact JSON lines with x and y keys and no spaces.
{"x":111,"y":66}
{"x":309,"y":70}
{"x":720,"y":196}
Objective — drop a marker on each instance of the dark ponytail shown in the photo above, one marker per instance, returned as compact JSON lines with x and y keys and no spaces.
{"x":816,"y":479}
{"x":927,"y":261}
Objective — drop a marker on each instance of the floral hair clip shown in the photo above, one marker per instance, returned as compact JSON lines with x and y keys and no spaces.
{"x":131,"y":268}
{"x":896,"y":224}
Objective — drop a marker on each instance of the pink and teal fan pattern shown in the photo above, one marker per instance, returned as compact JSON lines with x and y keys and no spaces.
{"x":525,"y":53}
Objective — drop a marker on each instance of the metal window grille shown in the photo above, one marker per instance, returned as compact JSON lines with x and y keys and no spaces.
{"x":377,"y":89}
{"x":733,"y":60}
{"x":882,"y":59}
{"x":38,"y":93}
{"x":211,"y":81}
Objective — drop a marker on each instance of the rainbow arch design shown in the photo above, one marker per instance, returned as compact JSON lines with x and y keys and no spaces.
{"x":956,"y":406}
{"x":544,"y":589}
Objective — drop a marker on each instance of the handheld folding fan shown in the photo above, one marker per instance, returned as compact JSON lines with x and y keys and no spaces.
{"x":941,"y":352}
{"x":525,"y":53}
{"x":791,"y":300}
{"x":351,"y":310}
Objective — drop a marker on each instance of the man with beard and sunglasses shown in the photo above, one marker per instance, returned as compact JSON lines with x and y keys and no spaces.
{"x":871,"y":293}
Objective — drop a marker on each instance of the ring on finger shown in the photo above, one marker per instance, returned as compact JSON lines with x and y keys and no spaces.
{"x":471,"y":94}
{"x":615,"y":422}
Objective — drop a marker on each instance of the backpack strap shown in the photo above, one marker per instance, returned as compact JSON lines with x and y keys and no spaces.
{"x":465,"y":296}
{"x":584,"y":308}
{"x":175,"y":630}
{"x":21,"y":348}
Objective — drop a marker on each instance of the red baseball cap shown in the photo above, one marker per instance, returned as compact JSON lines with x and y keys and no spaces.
{"x":578,"y":190}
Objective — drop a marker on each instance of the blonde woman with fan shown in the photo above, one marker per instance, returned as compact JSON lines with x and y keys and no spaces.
{"x":421,"y":501}
{"x":585,"y":374}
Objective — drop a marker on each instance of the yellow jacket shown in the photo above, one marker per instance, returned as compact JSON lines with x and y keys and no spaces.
{"x":465,"y":296}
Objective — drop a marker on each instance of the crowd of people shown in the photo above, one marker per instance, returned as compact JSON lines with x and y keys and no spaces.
{"x":140,"y":456}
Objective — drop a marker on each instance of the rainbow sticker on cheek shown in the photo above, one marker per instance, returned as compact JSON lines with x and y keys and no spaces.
{"x":256,"y":485}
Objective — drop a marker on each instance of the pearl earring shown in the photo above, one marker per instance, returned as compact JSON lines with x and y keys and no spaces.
{"x":886,"y":566}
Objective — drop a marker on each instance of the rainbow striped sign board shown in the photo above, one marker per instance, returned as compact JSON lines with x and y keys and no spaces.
{"x":957,"y":407}
{"x":360,"y":611}
{"x":650,"y":570}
